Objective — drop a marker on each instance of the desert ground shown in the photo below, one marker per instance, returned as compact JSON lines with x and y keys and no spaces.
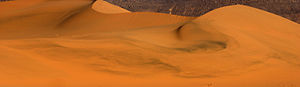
{"x":83,"y":43}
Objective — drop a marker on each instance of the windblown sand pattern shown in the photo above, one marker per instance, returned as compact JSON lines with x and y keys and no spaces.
{"x":79,"y":43}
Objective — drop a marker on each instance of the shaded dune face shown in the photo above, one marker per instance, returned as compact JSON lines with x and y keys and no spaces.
{"x":37,"y":18}
{"x":228,"y":41}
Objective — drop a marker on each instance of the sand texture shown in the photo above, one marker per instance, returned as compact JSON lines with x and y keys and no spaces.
{"x":81,"y":43}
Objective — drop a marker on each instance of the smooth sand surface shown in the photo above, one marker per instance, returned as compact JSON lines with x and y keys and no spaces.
{"x":63,"y":43}
{"x":105,"y":7}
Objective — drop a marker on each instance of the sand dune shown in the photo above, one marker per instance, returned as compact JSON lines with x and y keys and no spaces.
{"x":62,"y":44}
{"x":105,"y":7}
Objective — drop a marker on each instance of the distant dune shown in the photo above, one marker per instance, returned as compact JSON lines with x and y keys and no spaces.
{"x":105,"y":7}
{"x":289,"y":9}
{"x":84,"y":43}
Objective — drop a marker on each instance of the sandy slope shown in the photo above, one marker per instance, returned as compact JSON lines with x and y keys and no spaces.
{"x":105,"y":7}
{"x":63,"y":44}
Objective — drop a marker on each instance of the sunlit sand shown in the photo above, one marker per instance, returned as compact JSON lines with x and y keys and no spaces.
{"x":78,"y":43}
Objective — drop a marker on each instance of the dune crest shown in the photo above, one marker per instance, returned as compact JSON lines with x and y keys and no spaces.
{"x":97,"y":45}
{"x":107,"y":8}
{"x":240,"y":22}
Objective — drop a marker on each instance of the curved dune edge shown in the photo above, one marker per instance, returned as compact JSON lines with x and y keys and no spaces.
{"x":222,"y":48}
{"x":107,"y":8}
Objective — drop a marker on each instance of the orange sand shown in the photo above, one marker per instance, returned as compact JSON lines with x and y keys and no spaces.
{"x":105,"y":7}
{"x":64,"y":43}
